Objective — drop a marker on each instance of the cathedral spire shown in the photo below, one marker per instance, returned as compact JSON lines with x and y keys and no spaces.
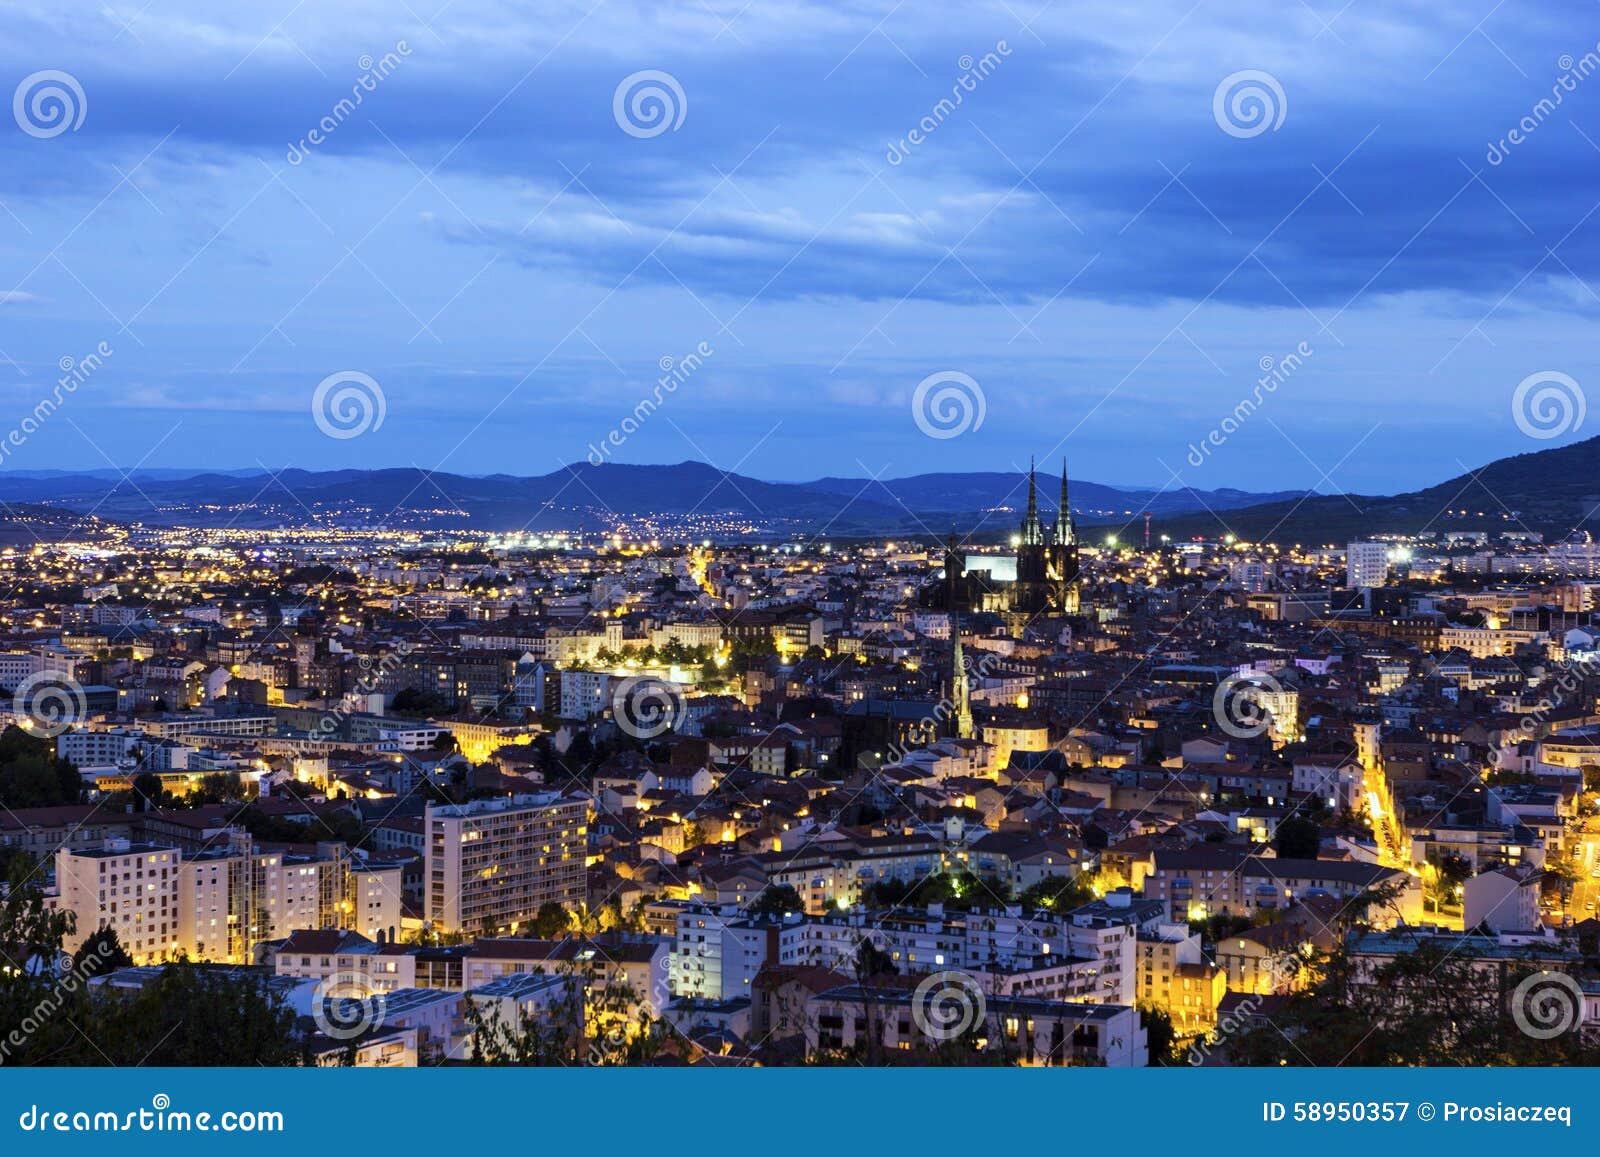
{"x":1065,"y":534}
{"x":960,"y":702}
{"x":1032,"y":528}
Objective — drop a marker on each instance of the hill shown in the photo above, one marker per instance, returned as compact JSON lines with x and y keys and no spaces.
{"x":1554,"y":491}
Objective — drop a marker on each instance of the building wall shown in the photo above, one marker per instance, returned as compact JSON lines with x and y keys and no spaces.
{"x":490,"y":864}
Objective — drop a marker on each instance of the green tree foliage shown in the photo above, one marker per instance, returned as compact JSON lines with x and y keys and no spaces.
{"x":777,"y":900}
{"x":329,"y":825}
{"x":148,"y":792}
{"x":1451,"y":872}
{"x":959,"y":891}
{"x":30,"y":1000}
{"x":1161,"y":1037}
{"x":1055,"y":894}
{"x":32,"y":776}
{"x":1427,"y":1006}
{"x":598,"y":1020}
{"x":100,"y":953}
{"x":221,"y":787}
{"x":551,"y":921}
{"x":1298,"y":839}
{"x":197,"y":1015}
{"x":409,"y":703}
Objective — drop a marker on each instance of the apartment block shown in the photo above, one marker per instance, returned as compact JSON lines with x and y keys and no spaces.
{"x":491,"y":863}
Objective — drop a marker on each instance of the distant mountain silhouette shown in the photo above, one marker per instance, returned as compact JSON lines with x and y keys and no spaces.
{"x":1553,"y":491}
{"x":582,"y":493}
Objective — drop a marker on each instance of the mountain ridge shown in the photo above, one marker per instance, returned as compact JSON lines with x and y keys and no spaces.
{"x":1552,"y":490}
{"x":559,"y":499}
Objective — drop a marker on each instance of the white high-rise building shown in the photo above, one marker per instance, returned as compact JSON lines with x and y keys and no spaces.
{"x":1366,"y":565}
{"x":130,"y":888}
{"x":219,"y":904}
{"x":492,"y":862}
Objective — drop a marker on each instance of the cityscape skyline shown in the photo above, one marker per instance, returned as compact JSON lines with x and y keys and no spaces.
{"x":799,"y":534}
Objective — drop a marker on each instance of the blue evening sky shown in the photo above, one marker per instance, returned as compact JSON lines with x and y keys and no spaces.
{"x":1079,"y":235}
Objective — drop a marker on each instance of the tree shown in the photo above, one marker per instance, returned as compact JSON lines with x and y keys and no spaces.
{"x":1056,"y":894}
{"x":1430,"y":1005}
{"x":148,"y":791}
{"x":1161,"y":1036}
{"x":551,"y":921}
{"x":101,"y":953}
{"x":219,"y":787}
{"x":31,"y":775}
{"x":188,"y":1015}
{"x":30,"y":1001}
{"x":777,"y":900}
{"x":1298,"y":839}
{"x":1449,"y":872}
{"x":873,"y":963}
{"x":597,"y":1019}
{"x":198,"y":1015}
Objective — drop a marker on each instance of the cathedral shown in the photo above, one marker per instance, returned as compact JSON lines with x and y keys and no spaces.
{"x":1046,"y":584}
{"x":1046,"y":581}
{"x":1047,"y":563}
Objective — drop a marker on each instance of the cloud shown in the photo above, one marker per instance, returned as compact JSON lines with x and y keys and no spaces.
{"x":1077,"y":231}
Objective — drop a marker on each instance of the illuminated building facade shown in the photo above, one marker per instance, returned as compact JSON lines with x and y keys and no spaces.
{"x":492,"y":862}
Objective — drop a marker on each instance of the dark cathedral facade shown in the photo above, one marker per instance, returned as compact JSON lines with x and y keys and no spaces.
{"x":1047,"y":562}
{"x":1047,"y":570}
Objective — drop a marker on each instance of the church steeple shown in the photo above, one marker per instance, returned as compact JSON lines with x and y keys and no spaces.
{"x":960,"y":702}
{"x":1032,"y":528}
{"x":1065,"y":534}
